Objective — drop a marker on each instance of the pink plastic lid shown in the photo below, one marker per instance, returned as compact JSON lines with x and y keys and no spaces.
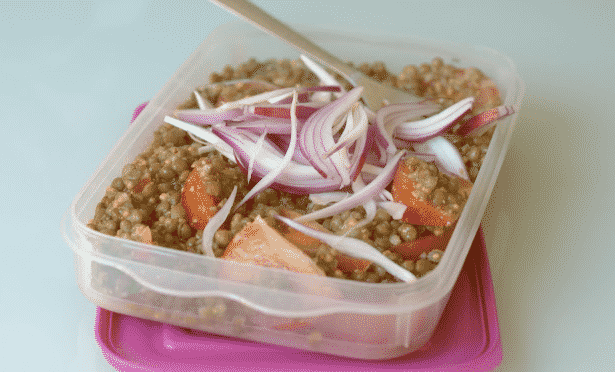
{"x":466,"y":339}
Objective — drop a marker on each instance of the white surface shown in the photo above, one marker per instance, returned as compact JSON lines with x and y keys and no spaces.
{"x":72,"y":72}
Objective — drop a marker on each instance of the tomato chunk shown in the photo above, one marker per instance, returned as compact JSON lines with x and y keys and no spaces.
{"x":433,"y":198}
{"x":259,"y":244}
{"x":412,"y":250}
{"x":199,"y":198}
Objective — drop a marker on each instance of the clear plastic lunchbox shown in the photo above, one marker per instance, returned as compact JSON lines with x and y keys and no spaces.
{"x":328,"y":315}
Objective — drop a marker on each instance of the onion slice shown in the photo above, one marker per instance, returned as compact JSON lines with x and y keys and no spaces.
{"x":396,"y":210}
{"x":368,"y":192}
{"x":303,"y":111}
{"x":448,"y":158}
{"x":282,"y":141}
{"x":203,"y":105}
{"x":214,"y":224}
{"x":268,"y":179}
{"x":478,"y":124}
{"x":422,"y":130}
{"x":208,"y":116}
{"x":316,"y":92}
{"x":324,"y":77}
{"x":259,"y":125}
{"x":296,"y":178}
{"x":357,"y":125}
{"x":200,"y":101}
{"x":325,"y":198}
{"x":316,"y":138}
{"x":270,"y":97}
{"x":256,"y":150}
{"x":369,"y":206}
{"x":353,"y":247}
{"x":204,"y":134}
{"x":388,"y":117}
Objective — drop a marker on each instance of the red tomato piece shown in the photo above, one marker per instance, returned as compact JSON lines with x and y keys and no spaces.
{"x":200,"y":206}
{"x":421,"y":209}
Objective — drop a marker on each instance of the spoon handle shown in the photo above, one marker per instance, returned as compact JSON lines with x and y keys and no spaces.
{"x":269,"y":24}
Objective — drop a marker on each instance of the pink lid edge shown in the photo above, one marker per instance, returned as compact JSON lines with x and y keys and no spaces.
{"x":133,"y":344}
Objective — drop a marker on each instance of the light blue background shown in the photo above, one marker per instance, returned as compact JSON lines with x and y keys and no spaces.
{"x":71,"y":74}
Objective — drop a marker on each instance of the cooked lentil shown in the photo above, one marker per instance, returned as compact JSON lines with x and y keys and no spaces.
{"x":145,"y":200}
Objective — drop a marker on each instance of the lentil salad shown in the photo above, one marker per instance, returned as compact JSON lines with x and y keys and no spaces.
{"x":145,"y":203}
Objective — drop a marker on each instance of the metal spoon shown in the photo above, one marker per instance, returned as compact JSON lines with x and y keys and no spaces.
{"x":374,"y":92}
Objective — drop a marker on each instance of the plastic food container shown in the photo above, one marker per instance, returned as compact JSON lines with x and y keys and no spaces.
{"x":340,"y":317}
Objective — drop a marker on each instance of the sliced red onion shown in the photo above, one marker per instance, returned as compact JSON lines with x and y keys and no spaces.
{"x":259,"y":125}
{"x":362,"y":147}
{"x":402,"y":144}
{"x":422,"y":130}
{"x":316,"y":138}
{"x":390,"y":116}
{"x":368,"y":192}
{"x":325,"y":198}
{"x":198,"y":140}
{"x":301,"y":98}
{"x":396,"y":210}
{"x":339,"y":123}
{"x":347,"y":122}
{"x":268,"y":179}
{"x":303,"y":111}
{"x":304,"y":96}
{"x":205,"y":134}
{"x":205,"y":149}
{"x":293,"y":181}
{"x":386,"y":195}
{"x":282,"y":141}
{"x":257,"y":148}
{"x":358,"y":126}
{"x":430,"y":158}
{"x":354,"y":138}
{"x":381,"y":141}
{"x":478,"y":124}
{"x":214,"y":224}
{"x":253,"y":139}
{"x":201,"y":102}
{"x":371,"y":116}
{"x":296,"y":178}
{"x":272,"y":96}
{"x":370,"y":214}
{"x":208,"y":116}
{"x":448,"y":158}
{"x":354,"y":248}
{"x":372,"y":169}
{"x":369,"y":206}
{"x":325,"y":88}
{"x":322,"y":74}
{"x":396,"y":116}
{"x":380,"y":155}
